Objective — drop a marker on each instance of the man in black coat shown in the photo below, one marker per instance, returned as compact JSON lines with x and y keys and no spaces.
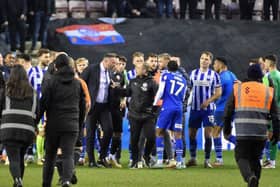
{"x":14,"y":13}
{"x":97,"y":78}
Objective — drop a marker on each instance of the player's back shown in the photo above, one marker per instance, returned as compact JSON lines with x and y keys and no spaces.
{"x":175,"y":89}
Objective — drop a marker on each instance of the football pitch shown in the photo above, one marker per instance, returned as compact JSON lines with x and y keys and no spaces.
{"x":225,"y":176}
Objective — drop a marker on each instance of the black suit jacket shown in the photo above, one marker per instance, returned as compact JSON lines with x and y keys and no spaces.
{"x":91,"y":75}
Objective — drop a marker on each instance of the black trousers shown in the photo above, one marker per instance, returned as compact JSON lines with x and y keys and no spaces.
{"x":266,"y":9}
{"x":246,"y":9}
{"x":247,"y":154}
{"x":193,"y":14}
{"x":208,"y":9}
{"x":17,"y":27}
{"x":117,"y":121}
{"x":136,"y":126}
{"x":66,"y":141}
{"x":101,"y":113}
{"x":16,"y":152}
{"x":115,"y":5}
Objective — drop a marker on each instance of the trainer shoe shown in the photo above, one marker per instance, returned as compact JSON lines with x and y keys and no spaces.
{"x":191,"y":162}
{"x":18,"y":182}
{"x":180,"y":165}
{"x":171,"y":164}
{"x":30,"y":159}
{"x":115,"y":164}
{"x":253,"y":181}
{"x":40,"y":163}
{"x":157,"y":165}
{"x":133,"y":165}
{"x":130,"y":163}
{"x":74,"y":179}
{"x":140,"y":165}
{"x":104,"y":162}
{"x":146,"y":161}
{"x":269,"y":166}
{"x":81,"y":162}
{"x":207,"y":164}
{"x":66,"y":184}
{"x":265,"y":163}
{"x":218,"y":163}
{"x":7,"y":162}
{"x":153,"y":161}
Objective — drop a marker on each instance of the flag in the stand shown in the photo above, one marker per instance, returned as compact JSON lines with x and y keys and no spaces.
{"x":112,"y":21}
{"x":98,"y":34}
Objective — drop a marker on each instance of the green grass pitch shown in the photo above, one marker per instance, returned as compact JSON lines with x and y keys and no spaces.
{"x":226,"y":176}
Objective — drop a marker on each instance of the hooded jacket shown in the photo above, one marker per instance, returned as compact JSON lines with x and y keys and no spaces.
{"x":63,"y":101}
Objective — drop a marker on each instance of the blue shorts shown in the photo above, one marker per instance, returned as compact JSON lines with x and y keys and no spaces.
{"x":219,"y":118}
{"x":197,"y":118}
{"x":170,"y":119}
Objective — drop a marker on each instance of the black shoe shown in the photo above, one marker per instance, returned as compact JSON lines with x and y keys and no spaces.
{"x":103,"y":162}
{"x":133,"y":165}
{"x":253,"y":181}
{"x":93,"y":165}
{"x":74,"y":179}
{"x":66,"y":184}
{"x":18,"y":182}
{"x":147,"y":161}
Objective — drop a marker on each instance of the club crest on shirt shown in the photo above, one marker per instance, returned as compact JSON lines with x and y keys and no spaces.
{"x":144,"y":87}
{"x":118,"y":77}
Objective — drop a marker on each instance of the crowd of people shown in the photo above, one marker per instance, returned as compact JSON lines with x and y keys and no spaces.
{"x":75,"y":107}
{"x":28,"y":20}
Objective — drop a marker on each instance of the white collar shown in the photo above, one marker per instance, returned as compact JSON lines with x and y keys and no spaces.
{"x":102,"y":68}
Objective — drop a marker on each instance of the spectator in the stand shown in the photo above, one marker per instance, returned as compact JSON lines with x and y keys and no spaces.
{"x":192,"y":9}
{"x":29,"y":20}
{"x":15,"y":15}
{"x":165,"y":5}
{"x":274,"y":4}
{"x":115,"y":6}
{"x":246,"y":9}
{"x":42,"y":10}
{"x":17,"y":122}
{"x":208,"y":9}
{"x":1,"y":13}
{"x":138,"y":8}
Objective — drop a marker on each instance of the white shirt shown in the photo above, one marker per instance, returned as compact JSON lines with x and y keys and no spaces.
{"x":104,"y":82}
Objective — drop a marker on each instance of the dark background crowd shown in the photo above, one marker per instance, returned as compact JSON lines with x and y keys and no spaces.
{"x":27,"y":20}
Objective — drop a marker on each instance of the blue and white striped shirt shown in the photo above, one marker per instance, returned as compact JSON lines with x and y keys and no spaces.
{"x":131,"y":74}
{"x":203,"y":87}
{"x":35,"y":77}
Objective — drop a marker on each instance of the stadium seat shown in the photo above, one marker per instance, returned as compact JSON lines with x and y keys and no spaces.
{"x":95,"y":8}
{"x":61,"y":7}
{"x":77,"y":8}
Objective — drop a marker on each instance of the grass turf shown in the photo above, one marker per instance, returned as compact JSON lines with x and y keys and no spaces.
{"x":226,"y":176}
